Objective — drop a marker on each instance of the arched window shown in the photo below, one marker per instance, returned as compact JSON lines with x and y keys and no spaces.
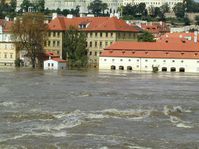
{"x":129,"y":68}
{"x":173,"y":69}
{"x":121,"y":67}
{"x":164,"y":69}
{"x":182,"y":69}
{"x":113,"y":67}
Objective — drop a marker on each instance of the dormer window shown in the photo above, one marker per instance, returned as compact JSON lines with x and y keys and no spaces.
{"x":82,"y":26}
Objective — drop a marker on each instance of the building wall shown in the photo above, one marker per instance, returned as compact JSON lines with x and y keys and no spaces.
{"x":96,"y":42}
{"x":72,"y":4}
{"x":7,"y":54}
{"x":54,"y":42}
{"x":158,"y":3}
{"x":53,"y":65}
{"x":147,"y":64}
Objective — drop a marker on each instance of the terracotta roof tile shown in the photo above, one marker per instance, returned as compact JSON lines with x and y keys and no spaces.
{"x":93,"y":24}
{"x":152,"y":50}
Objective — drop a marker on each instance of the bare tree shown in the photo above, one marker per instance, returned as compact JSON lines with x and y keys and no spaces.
{"x":30,"y":31}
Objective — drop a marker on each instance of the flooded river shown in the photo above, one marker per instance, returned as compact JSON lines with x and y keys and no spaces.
{"x":98,"y":110}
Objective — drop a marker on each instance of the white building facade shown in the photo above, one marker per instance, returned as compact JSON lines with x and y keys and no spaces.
{"x":158,"y":3}
{"x":147,"y":56}
{"x":72,"y":4}
{"x":54,"y":64}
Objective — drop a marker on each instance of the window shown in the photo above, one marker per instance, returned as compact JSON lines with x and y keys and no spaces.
{"x":137,"y":60}
{"x":154,"y":60}
{"x":104,"y":59}
{"x":182,"y":61}
{"x":53,"y":43}
{"x":95,"y":43}
{"x":173,"y":61}
{"x":113,"y":60}
{"x":5,"y":55}
{"x":90,"y":43}
{"x":106,"y":34}
{"x":146,"y":60}
{"x":95,"y":34}
{"x":48,"y":43}
{"x":90,"y":53}
{"x":10,"y":55}
{"x":95,"y":53}
{"x":121,"y":60}
{"x":58,"y":43}
{"x":52,"y":64}
{"x":48,"y":64}
{"x":111,"y":34}
{"x":129,"y":60}
{"x":58,"y":34}
{"x":164,"y":60}
{"x":100,"y":44}
{"x":100,"y":34}
{"x":54,"y":33}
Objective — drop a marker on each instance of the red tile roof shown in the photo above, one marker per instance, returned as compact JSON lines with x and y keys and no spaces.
{"x":59,"y":60}
{"x":152,"y":50}
{"x":7,"y":25}
{"x":92,"y":23}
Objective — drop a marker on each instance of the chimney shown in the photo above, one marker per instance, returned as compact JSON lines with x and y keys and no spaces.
{"x":195,"y":36}
{"x":69,"y":16}
{"x":54,"y":15}
{"x":7,"y":18}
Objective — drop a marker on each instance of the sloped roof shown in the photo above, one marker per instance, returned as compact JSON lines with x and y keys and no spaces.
{"x":155,"y":46}
{"x":7,"y":25}
{"x":152,"y":50}
{"x":93,"y":24}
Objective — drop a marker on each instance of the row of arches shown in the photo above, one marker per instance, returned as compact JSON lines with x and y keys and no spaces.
{"x":164,"y":69}
{"x":173,"y":69}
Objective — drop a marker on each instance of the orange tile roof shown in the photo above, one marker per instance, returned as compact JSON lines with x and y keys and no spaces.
{"x":59,"y":60}
{"x":154,"y":46}
{"x":7,"y":25}
{"x":93,"y":24}
{"x":152,"y":50}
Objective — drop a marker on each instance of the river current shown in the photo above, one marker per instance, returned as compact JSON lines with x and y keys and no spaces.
{"x":98,"y":110}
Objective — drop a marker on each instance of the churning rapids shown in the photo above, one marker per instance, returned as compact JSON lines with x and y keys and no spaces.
{"x":98,"y":110}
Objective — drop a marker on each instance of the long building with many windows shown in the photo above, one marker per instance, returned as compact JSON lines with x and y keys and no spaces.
{"x":179,"y":56}
{"x":100,"y":31}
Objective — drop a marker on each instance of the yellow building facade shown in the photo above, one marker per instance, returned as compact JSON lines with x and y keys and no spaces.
{"x":7,"y":54}
{"x":101,"y":32}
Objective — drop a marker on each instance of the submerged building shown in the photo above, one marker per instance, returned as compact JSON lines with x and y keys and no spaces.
{"x":179,"y":56}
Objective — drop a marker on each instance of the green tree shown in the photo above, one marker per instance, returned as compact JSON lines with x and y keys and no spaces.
{"x":40,"y":6}
{"x":197,"y":19}
{"x":97,"y":7}
{"x":25,"y":5}
{"x":30,"y":30}
{"x":179,"y":10}
{"x":75,"y":50}
{"x":187,"y":21}
{"x":146,"y":37}
{"x":165,"y":8}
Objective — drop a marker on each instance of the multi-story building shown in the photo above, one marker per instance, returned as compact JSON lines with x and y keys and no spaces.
{"x":72,"y":4}
{"x":7,"y":47}
{"x":158,"y":3}
{"x":167,"y":55}
{"x":101,"y":32}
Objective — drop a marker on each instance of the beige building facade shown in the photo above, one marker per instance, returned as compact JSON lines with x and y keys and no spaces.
{"x":100,"y":32}
{"x":7,"y":54}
